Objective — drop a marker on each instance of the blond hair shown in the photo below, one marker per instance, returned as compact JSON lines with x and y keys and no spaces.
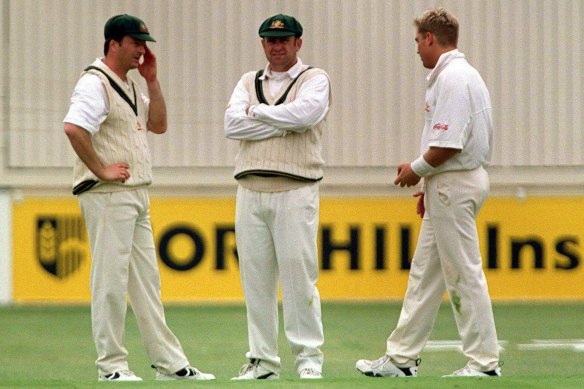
{"x":441,"y":23}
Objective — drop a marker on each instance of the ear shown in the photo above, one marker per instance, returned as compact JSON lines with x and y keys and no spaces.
{"x":429,"y":37}
{"x":298,"y":43}
{"x":113,"y":45}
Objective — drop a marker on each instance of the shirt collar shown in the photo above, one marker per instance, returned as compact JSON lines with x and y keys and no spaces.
{"x":443,"y":61}
{"x":101,"y":64}
{"x":293,"y":72}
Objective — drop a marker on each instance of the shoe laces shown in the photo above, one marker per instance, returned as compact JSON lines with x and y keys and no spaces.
{"x":380,"y":361}
{"x":247,"y":367}
{"x":119,"y":374}
{"x":310,"y":371}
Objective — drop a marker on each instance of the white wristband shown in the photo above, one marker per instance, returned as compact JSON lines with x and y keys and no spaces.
{"x":421,"y":167}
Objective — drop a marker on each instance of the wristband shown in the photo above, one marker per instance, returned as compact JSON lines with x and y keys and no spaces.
{"x":421,"y":167}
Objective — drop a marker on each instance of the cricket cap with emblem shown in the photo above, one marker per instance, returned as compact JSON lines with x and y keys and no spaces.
{"x":280,"y":25}
{"x":119,"y":26}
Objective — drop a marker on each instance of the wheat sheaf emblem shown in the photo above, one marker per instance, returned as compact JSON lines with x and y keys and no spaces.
{"x":61,"y":244}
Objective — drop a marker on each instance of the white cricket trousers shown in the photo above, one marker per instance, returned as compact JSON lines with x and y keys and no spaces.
{"x":447,"y":257}
{"x":124,"y":262}
{"x":276,"y":239}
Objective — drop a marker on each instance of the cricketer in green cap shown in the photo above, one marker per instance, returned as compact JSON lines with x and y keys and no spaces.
{"x":119,"y":26}
{"x":280,"y":25}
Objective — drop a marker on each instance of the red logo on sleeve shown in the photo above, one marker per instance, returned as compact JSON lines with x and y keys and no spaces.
{"x":440,"y":126}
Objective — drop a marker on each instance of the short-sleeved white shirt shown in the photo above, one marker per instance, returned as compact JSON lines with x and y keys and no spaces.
{"x":458,"y":113}
{"x":89,"y":104}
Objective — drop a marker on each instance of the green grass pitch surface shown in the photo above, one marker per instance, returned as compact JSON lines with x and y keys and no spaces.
{"x":51,"y":347}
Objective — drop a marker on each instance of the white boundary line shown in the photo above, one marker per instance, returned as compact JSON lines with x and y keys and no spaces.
{"x":454,"y":345}
{"x":576,"y":345}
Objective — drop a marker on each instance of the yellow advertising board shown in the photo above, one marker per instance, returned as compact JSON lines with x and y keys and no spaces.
{"x":532,"y":249}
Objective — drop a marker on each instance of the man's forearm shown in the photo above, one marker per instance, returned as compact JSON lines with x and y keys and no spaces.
{"x":436,"y":156}
{"x":157,"y":116}
{"x":81,"y":143}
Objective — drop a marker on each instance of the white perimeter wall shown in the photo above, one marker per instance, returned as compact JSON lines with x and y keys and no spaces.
{"x":530,"y":53}
{"x":5,"y":247}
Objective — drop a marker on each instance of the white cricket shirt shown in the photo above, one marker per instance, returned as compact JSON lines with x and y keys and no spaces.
{"x":262,"y":121}
{"x":458,"y":113}
{"x":89,"y":105}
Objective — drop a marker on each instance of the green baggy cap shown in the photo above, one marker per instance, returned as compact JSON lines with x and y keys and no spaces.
{"x":280,"y":25}
{"x":119,"y":26}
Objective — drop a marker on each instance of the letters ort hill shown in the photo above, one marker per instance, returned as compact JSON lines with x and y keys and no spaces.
{"x":344,"y":247}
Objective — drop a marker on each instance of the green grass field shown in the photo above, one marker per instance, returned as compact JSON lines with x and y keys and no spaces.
{"x":51,"y":347}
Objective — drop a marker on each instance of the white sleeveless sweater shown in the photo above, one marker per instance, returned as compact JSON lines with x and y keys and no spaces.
{"x":122,"y":137}
{"x":296,"y":155}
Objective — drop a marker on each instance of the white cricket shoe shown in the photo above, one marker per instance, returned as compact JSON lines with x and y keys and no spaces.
{"x":187,"y":373}
{"x":383,"y":367}
{"x":468,"y":372}
{"x":310,"y":374}
{"x":122,"y":376}
{"x":255,"y":371}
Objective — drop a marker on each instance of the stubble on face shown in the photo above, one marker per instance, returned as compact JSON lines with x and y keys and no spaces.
{"x":131,"y":51}
{"x":281,"y":52}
